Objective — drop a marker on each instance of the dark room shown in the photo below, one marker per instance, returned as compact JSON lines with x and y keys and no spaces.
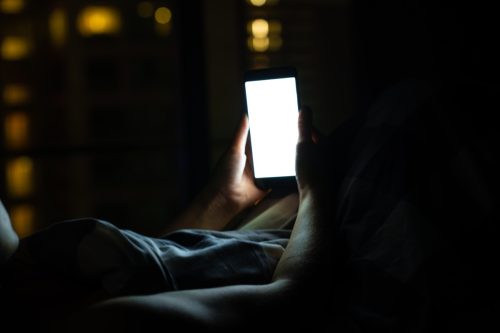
{"x":249,"y":165}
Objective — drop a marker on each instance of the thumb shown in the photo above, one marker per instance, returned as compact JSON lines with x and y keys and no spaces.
{"x":240,"y":137}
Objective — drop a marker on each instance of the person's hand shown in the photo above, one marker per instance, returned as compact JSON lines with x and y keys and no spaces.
{"x":233,"y":177}
{"x":306,"y":262}
{"x":230,"y":190}
{"x":309,"y":167}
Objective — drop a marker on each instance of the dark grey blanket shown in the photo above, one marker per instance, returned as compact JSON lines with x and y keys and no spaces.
{"x":123,"y":262}
{"x":417,"y":210}
{"x":416,"y":187}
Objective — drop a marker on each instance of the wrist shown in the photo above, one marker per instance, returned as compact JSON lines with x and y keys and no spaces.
{"x":317,"y":197}
{"x":214,"y":210}
{"x":307,"y":191}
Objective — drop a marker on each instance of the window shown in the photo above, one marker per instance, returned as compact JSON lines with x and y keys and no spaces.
{"x":93,"y":122}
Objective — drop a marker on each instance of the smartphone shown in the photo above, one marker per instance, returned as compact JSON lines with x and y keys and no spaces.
{"x":272,"y":106}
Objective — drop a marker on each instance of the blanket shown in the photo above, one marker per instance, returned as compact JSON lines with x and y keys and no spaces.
{"x":96,"y":253}
{"x":417,"y":210}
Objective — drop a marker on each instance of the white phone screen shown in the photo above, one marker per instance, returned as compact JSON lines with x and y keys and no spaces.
{"x":272,"y":107}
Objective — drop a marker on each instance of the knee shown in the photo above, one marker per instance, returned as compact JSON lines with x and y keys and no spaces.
{"x":8,"y":237}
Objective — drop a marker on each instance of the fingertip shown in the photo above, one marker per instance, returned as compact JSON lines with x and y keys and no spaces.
{"x":241,"y":134}
{"x":243,"y":122}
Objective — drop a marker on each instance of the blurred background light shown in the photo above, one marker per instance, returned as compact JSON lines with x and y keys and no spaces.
{"x":11,"y":6}
{"x":99,"y":20}
{"x":58,"y":26}
{"x":15,"y":94}
{"x":258,"y":3}
{"x":258,"y":44}
{"x":19,"y":172}
{"x":260,"y":28}
{"x":145,"y":9}
{"x":23,"y":217}
{"x":264,"y":35}
{"x":16,"y":130}
{"x":15,"y":48}
{"x":163,"y":15}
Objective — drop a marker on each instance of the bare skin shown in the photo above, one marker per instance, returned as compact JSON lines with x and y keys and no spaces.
{"x":8,"y":238}
{"x":241,"y":306}
{"x":295,"y":282}
{"x":230,"y":190}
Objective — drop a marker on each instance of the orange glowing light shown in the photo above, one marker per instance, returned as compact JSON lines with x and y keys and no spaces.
{"x":23,"y":219}
{"x":99,"y":20}
{"x":16,"y":130}
{"x":19,"y":172}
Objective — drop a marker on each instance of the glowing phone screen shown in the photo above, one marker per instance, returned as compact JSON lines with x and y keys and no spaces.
{"x":272,"y":107}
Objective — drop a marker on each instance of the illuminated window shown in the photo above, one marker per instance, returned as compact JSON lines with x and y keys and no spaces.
{"x":23,"y":219}
{"x":264,"y":35}
{"x":257,"y":3}
{"x":11,"y":6}
{"x":260,"y":3}
{"x":58,"y":26}
{"x":16,"y":130}
{"x":145,"y":9}
{"x":258,"y":44}
{"x":99,"y":20}
{"x":163,"y":15}
{"x":260,"y":28}
{"x":15,"y":48}
{"x":19,"y":174}
{"x":15,"y":94}
{"x":163,"y":18}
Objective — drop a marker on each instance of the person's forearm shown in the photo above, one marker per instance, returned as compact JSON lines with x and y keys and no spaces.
{"x":209,"y":210}
{"x":214,"y":309}
{"x":309,"y":250}
{"x":305,"y":261}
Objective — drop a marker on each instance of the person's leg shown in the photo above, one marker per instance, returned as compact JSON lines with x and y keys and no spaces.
{"x":8,"y":237}
{"x":9,"y":242}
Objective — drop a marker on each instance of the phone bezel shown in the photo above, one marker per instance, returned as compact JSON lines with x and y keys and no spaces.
{"x":269,"y":74}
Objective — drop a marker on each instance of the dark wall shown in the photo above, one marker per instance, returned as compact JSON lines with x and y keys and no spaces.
{"x":432,"y":40}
